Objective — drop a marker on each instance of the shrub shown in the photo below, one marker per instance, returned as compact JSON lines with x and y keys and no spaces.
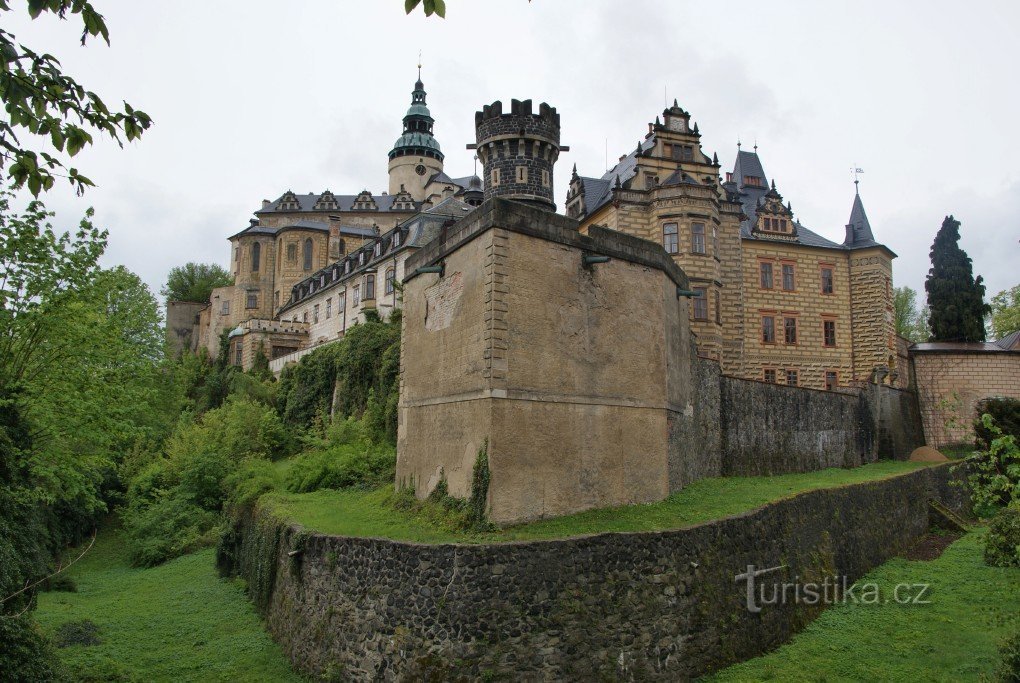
{"x":166,"y":528}
{"x":1005,"y":413}
{"x":249,"y":481}
{"x":1009,"y":667}
{"x":25,"y":653}
{"x":342,"y":466}
{"x":83,"y":632}
{"x":993,"y":475}
{"x":1002,"y":544}
{"x":241,"y":428}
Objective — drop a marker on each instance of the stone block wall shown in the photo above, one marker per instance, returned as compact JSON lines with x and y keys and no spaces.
{"x":951,"y":384}
{"x":620,"y":606}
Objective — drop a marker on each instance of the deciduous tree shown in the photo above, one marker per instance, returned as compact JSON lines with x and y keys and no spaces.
{"x":1006,"y":312}
{"x":195,"y":282}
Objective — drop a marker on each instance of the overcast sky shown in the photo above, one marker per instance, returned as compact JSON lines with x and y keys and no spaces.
{"x":257,"y":97}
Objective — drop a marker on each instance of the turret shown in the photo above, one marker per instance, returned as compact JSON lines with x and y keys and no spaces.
{"x":415,"y":157}
{"x":518,"y":151}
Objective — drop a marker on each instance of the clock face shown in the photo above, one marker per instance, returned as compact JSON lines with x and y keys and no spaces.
{"x":420,"y":169}
{"x":676,"y":123}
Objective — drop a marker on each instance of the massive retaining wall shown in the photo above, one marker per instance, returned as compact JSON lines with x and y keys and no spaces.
{"x":625,"y":606}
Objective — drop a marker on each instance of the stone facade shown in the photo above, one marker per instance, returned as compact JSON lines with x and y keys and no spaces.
{"x":953,"y":378}
{"x":182,"y":319}
{"x":617,"y":606}
{"x":774,"y":301}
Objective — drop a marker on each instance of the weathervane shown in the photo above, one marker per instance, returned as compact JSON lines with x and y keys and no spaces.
{"x":857,"y":171}
{"x":419,"y":65}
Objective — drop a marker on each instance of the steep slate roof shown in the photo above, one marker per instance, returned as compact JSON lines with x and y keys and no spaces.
{"x":859,"y":235}
{"x":345,"y":202}
{"x":749,"y":164}
{"x":466,"y":183}
{"x":598,"y":191}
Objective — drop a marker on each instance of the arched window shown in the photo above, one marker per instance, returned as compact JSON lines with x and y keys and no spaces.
{"x":390,"y":276}
{"x":308,"y":254}
{"x":256,"y":256}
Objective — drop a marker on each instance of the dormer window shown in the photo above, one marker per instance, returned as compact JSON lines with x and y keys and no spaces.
{"x":378,"y":249}
{"x":774,"y":225}
{"x":753,"y":181}
{"x":289,"y":202}
{"x":396,"y":239}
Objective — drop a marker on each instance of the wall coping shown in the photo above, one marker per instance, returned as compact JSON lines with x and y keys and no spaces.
{"x":534,"y":222}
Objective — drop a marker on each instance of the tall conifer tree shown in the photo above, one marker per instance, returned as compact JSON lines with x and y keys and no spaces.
{"x":956,"y":299}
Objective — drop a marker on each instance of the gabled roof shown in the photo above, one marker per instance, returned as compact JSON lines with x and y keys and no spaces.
{"x":1011,"y":342}
{"x":345,"y":202}
{"x":468,"y":182}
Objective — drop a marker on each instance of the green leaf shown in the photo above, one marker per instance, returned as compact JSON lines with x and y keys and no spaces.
{"x":441,"y":8}
{"x":409,"y":5}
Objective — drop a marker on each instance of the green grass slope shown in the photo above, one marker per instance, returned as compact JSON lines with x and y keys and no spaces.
{"x":368,"y":513}
{"x":954,"y":638}
{"x":175,"y":622}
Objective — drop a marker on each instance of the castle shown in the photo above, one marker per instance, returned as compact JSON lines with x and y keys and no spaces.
{"x":771,"y":299}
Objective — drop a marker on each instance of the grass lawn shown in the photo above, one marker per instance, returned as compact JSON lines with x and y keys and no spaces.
{"x":366,"y":513}
{"x":955,"y":638}
{"x":175,"y":622}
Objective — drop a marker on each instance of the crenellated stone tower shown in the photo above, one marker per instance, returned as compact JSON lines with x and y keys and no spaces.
{"x":518,"y":151}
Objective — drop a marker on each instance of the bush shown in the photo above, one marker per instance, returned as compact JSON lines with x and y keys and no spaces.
{"x":1005,"y":413}
{"x":1009,"y":668}
{"x":342,"y":466}
{"x":83,"y":632}
{"x":1002,"y":544}
{"x":167,"y":528}
{"x":249,"y":481}
{"x":993,"y":475}
{"x":25,"y":653}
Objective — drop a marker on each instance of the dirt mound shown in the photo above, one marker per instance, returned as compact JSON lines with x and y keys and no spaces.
{"x":927,"y":454}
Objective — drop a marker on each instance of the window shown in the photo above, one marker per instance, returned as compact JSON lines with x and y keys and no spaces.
{"x":788,"y":281}
{"x":791,"y":378}
{"x":370,"y":287}
{"x":829,"y":332}
{"x":396,"y":239}
{"x":766,"y":275}
{"x":718,"y":308}
{"x":698,"y":238}
{"x":276,"y":299}
{"x":225,"y":310}
{"x":522,"y":174}
{"x":769,"y":375}
{"x":768,"y":329}
{"x":292,"y":252}
{"x":256,"y":257}
{"x":308,"y":254}
{"x":827,"y":280}
{"x":238,"y":353}
{"x":391,"y":276}
{"x":700,"y":304}
{"x":831,"y":380}
{"x":237,"y":254}
{"x":790,"y":330}
{"x":357,"y":295}
{"x":683,"y":153}
{"x":715,"y":241}
{"x":329,"y":308}
{"x":494,"y":177}
{"x":253,"y":300}
{"x":304,"y":317}
{"x":670,"y":241}
{"x":752,"y":180}
{"x":545,"y":178}
{"x":341,"y":302}
{"x":315,"y":313}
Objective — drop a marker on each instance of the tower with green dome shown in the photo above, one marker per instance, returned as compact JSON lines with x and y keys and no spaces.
{"x":415,"y":157}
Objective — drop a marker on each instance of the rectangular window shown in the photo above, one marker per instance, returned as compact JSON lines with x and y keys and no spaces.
{"x":768,"y":329}
{"x":304,"y":316}
{"x":700,"y":304}
{"x":829,"y":332}
{"x":788,"y":281}
{"x":831,"y":380}
{"x":545,"y":178}
{"x":225,"y":310}
{"x":370,"y":287}
{"x":715,"y":241}
{"x":683,"y":152}
{"x":391,"y":276}
{"x":238,"y":354}
{"x":791,"y":378}
{"x":292,"y":252}
{"x":253,"y":300}
{"x":495,"y":177}
{"x":752,"y":180}
{"x":766,"y":275}
{"x":769,"y":375}
{"x":357,"y":295}
{"x":329,"y":308}
{"x":276,"y":299}
{"x":341,"y":302}
{"x":315,"y":313}
{"x":790,"y":330}
{"x":827,"y":280}
{"x":718,"y":309}
{"x":522,"y":174}
{"x":698,"y":238}
{"x":670,"y":240}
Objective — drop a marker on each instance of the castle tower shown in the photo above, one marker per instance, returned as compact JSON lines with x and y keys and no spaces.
{"x":415,"y":156}
{"x":518,"y":151}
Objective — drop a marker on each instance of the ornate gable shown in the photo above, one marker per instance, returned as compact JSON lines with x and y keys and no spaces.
{"x":364,"y":202}
{"x":773,"y":220}
{"x":288,"y":202}
{"x":326,"y":202}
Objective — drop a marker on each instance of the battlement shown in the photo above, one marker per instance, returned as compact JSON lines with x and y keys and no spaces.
{"x":518,"y":150}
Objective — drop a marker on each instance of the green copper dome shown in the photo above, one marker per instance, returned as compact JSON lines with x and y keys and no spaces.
{"x":417,"y":137}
